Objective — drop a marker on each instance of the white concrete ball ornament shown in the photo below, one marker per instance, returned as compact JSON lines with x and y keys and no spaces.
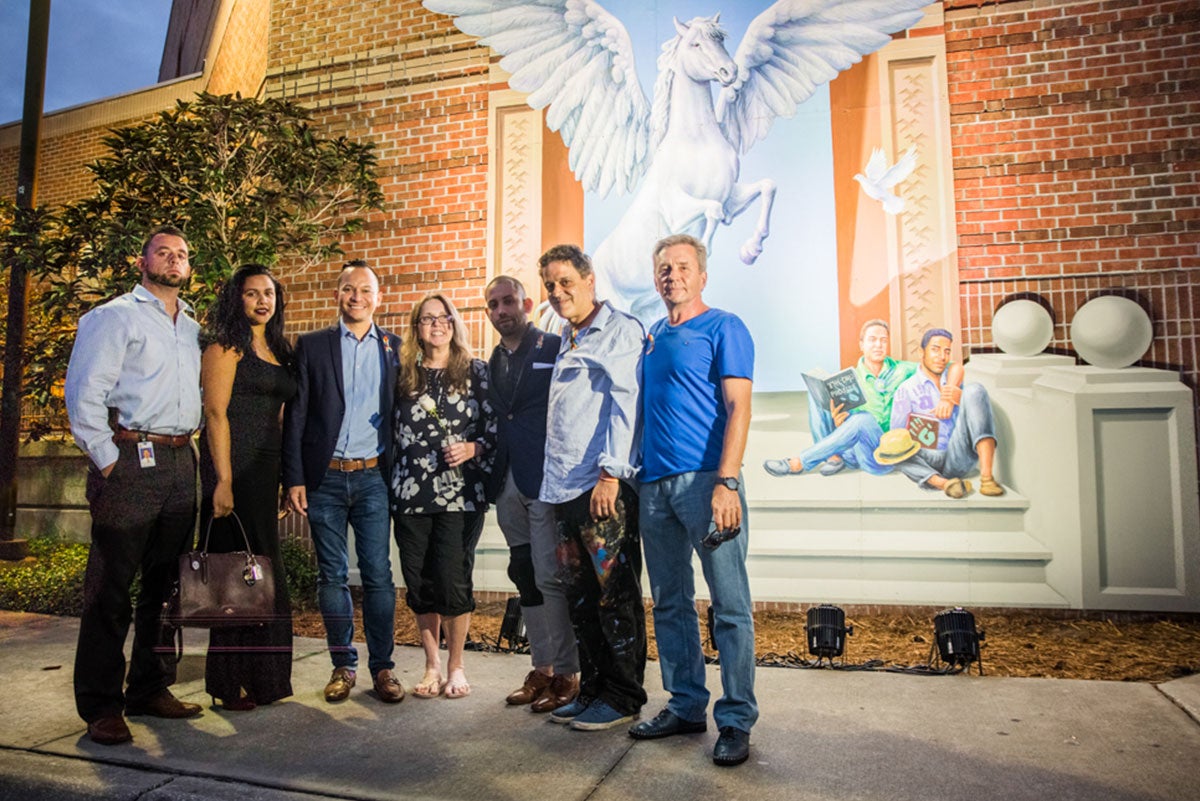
{"x":1111,"y":332}
{"x":1022,"y":328}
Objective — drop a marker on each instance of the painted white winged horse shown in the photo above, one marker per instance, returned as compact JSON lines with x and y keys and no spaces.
{"x":575,"y":58}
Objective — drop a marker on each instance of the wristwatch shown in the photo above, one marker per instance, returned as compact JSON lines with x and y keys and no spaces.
{"x":729,"y":483}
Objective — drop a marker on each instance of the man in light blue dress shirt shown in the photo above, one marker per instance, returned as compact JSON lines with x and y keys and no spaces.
{"x":335,"y":458}
{"x":133,"y":398}
{"x":592,"y":447}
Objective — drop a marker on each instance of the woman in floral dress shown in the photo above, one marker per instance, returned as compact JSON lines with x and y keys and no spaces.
{"x":444,"y":435}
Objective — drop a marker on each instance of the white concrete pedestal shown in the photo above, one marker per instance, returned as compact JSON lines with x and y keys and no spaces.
{"x":1107,"y":459}
{"x":1127,"y":486}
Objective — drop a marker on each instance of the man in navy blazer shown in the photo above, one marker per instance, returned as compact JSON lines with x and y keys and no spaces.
{"x":336,"y":460}
{"x":520,"y":368}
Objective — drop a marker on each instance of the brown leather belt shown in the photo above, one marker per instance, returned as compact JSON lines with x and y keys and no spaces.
{"x":170,"y":440}
{"x":353,"y":465}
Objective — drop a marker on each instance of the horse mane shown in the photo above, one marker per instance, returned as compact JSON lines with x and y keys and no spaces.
{"x":660,"y":112}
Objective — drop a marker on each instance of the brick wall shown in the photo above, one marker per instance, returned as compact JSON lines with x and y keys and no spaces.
{"x":241,"y":61}
{"x":403,"y":78}
{"x":1075,"y":130}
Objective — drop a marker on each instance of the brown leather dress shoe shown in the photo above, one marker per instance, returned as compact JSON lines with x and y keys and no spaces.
{"x":338,"y":688}
{"x":388,"y":687}
{"x":109,"y":731}
{"x":163,"y":705}
{"x":535,"y":684}
{"x":561,"y":691}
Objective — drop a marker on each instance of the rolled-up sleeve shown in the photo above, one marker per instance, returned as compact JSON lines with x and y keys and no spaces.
{"x":619,"y":458}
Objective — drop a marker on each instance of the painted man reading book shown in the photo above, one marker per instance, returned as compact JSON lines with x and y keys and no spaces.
{"x":848,"y":437}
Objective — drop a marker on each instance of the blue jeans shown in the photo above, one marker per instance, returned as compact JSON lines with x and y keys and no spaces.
{"x":855,"y":441}
{"x":820,"y":421}
{"x":676,"y":512}
{"x":975,"y":422}
{"x":360,"y":499}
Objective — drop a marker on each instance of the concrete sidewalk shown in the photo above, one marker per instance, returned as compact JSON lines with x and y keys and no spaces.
{"x":823,"y":734}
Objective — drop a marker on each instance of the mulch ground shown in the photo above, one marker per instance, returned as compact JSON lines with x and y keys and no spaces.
{"x":1043,"y":643}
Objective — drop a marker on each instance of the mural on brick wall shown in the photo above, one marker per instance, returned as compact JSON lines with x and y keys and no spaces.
{"x":717,"y":126}
{"x":827,"y":205}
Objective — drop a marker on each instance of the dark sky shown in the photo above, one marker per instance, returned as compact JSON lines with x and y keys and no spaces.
{"x":97,"y":48}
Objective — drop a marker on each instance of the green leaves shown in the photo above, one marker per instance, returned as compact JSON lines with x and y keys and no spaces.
{"x":51,"y":583}
{"x":247,"y":180}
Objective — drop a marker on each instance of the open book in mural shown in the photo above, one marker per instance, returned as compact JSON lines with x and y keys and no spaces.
{"x":679,"y":152}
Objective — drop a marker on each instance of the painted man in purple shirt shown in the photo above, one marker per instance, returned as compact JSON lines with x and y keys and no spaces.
{"x":966,"y":429}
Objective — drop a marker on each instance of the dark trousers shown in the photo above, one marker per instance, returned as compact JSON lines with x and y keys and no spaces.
{"x":143,"y":518}
{"x":436,"y":557}
{"x":601,"y":567}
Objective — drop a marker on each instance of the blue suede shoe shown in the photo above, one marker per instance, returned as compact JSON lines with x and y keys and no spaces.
{"x":567,"y":713}
{"x":600,"y":716}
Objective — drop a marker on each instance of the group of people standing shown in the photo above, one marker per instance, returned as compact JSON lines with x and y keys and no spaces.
{"x":593,"y":444}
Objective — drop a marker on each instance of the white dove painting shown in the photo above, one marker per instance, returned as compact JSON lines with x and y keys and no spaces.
{"x":879,"y":179}
{"x":716,"y":125}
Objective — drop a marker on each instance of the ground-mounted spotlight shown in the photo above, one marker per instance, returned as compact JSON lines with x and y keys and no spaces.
{"x":825,"y":629}
{"x":512,"y":627}
{"x":957,"y":639}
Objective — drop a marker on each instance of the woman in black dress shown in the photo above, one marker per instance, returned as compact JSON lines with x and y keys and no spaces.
{"x":246,"y":377}
{"x":445,"y":435}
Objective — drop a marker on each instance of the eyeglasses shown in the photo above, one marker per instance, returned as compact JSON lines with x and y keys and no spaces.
{"x":431,"y":320}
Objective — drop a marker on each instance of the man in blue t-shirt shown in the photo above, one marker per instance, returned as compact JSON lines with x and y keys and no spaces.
{"x":698,"y":369}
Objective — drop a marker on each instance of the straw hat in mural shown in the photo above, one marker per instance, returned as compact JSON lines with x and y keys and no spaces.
{"x":895,"y":446}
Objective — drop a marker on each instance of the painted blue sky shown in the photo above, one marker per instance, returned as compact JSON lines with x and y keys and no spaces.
{"x":97,"y":48}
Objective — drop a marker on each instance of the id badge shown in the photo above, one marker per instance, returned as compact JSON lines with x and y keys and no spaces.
{"x":146,"y":454}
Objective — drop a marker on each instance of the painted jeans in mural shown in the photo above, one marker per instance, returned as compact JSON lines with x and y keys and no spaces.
{"x":975,"y":422}
{"x":855,"y":440}
{"x":600,"y":563}
{"x":677,"y":511}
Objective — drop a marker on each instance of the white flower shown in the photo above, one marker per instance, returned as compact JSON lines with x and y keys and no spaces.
{"x":409,"y":490}
{"x":427,"y":403}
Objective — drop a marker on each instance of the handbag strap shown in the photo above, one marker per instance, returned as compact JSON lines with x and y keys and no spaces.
{"x":241,"y":528}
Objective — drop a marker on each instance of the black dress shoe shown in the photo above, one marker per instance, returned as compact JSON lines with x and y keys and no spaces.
{"x":109,"y":731}
{"x":732,"y":748}
{"x":665,"y":724}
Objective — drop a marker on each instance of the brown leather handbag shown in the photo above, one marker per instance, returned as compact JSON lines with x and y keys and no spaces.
{"x":221,"y":589}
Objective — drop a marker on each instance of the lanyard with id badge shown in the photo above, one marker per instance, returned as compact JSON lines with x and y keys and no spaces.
{"x":145,"y":453}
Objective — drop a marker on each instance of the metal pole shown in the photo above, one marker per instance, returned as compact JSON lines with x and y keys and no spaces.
{"x":10,"y":400}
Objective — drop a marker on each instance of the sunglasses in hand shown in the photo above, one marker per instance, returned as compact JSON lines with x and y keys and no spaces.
{"x":717,"y":536}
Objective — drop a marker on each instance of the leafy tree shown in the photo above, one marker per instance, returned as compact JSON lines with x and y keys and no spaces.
{"x":248,"y":180}
{"x":27,"y":237}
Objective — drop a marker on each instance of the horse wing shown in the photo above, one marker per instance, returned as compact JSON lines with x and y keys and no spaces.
{"x":574,"y":59}
{"x":795,"y":46}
